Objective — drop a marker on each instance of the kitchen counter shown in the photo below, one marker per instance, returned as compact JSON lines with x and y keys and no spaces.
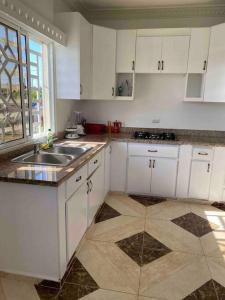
{"x":54,"y":176}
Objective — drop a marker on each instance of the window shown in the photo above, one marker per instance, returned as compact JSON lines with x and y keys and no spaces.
{"x":24,"y":86}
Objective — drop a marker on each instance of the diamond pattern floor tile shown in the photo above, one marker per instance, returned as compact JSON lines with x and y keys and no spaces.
{"x":106,"y":213}
{"x":194,"y":224}
{"x":147,"y":200}
{"x":143,"y":248}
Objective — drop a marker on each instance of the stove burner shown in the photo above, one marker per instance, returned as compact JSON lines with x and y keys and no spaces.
{"x":154,"y":136}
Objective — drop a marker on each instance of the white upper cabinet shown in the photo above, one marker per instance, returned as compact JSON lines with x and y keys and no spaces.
{"x":155,"y":54}
{"x":125,"y":53}
{"x":104,"y":62}
{"x":175,"y":54}
{"x":199,"y":50}
{"x":73,"y":62}
{"x":215,"y":76}
{"x":148,"y":54}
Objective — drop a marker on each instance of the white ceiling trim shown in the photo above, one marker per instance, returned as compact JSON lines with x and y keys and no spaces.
{"x":20,"y":12}
{"x":159,"y":12}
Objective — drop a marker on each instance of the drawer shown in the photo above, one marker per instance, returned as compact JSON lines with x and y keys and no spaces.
{"x":75,"y":181}
{"x":202,"y":153}
{"x":153,"y":150}
{"x":94,"y":163}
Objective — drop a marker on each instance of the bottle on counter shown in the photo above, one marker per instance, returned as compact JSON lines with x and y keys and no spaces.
{"x":50,"y":138}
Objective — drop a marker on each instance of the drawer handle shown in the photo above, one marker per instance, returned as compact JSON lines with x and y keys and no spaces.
{"x":95,"y":162}
{"x":78,"y":178}
{"x":203,"y":153}
{"x":153,"y":151}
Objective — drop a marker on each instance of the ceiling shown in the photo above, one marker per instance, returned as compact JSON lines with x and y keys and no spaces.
{"x":140,"y":4}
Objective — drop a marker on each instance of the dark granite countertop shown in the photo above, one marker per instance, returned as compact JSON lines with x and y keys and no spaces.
{"x":54,"y":176}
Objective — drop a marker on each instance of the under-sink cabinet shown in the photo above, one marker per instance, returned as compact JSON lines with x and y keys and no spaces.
{"x":43,"y":225}
{"x":152,"y":169}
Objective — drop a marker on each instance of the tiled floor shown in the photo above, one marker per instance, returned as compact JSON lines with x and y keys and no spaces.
{"x":141,"y":248}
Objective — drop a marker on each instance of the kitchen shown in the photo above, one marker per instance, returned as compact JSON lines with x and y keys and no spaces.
{"x":112,"y":150}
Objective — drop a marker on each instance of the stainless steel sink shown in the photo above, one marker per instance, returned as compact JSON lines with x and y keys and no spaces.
{"x":57,"y":156}
{"x":45,"y":159}
{"x":74,"y":151}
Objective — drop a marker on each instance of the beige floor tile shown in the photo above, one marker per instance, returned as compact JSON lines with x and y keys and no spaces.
{"x":18,"y":290}
{"x":168,"y":210}
{"x":115,"y":229}
{"x":213,"y":243}
{"x":110,"y":267}
{"x":147,"y":298}
{"x":217,"y":268}
{"x":173,"y":236}
{"x":109,"y":295}
{"x":209,"y":212}
{"x":2,"y":295}
{"x":125,"y":205}
{"x":174,"y":276}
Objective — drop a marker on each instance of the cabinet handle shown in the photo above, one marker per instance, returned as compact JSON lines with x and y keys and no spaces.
{"x":153,"y":164}
{"x":162,"y":65}
{"x":88,"y":187}
{"x":95,"y":162}
{"x":91,"y":186}
{"x":203,"y":153}
{"x":205,"y":65}
{"x":81,"y":89}
{"x":150,"y":163}
{"x":208,"y":169}
{"x":159,"y":65}
{"x":113,"y":91}
{"x":133,"y":65}
{"x":78,"y":178}
{"x":152,"y":151}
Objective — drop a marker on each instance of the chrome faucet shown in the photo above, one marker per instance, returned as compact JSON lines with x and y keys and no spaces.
{"x":36,"y":148}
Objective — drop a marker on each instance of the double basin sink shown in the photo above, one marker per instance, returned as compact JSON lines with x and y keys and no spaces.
{"x":56,"y":156}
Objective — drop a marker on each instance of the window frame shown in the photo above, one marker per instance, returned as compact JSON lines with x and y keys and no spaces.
{"x":29,"y":34}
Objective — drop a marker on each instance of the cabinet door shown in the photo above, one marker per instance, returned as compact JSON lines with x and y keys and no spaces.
{"x":199,"y":49}
{"x":175,"y":54}
{"x":96,"y":191}
{"x":148,"y":54}
{"x":85,"y":59}
{"x":215,"y":76}
{"x":139,"y":175}
{"x":200,"y":179}
{"x":76,"y":219}
{"x":104,"y":62}
{"x":164,"y":174}
{"x":107,"y":170}
{"x":125,"y":53}
{"x":118,"y":167}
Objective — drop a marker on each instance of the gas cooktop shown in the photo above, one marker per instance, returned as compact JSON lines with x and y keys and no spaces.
{"x":145,"y":135}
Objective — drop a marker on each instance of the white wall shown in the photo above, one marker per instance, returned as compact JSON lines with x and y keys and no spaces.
{"x":157,"y":97}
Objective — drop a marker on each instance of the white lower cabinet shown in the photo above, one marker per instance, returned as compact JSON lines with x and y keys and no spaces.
{"x":200,"y":179}
{"x":118,"y":166}
{"x":138,"y":175}
{"x":95,"y":193}
{"x":107,"y":170}
{"x":164,"y":175}
{"x":155,"y":176}
{"x":76,"y":219}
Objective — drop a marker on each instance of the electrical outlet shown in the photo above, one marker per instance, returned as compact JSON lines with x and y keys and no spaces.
{"x":156,"y":121}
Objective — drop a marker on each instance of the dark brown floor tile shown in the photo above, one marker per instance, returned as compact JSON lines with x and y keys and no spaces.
{"x":106,"y":213}
{"x":220,"y":290}
{"x":147,"y":200}
{"x":194,"y":224}
{"x":133,"y":246}
{"x":50,"y":284}
{"x":219,"y":205}
{"x":46,"y":293}
{"x":74,"y":291}
{"x":79,"y":275}
{"x":205,"y":292}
